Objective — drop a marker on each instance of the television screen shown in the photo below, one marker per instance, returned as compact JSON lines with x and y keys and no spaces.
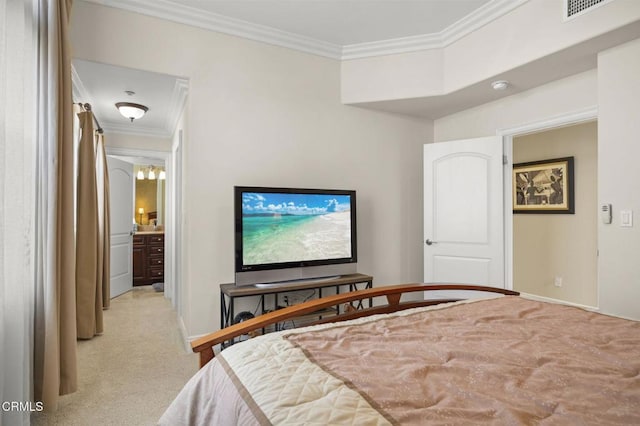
{"x":285,"y":227}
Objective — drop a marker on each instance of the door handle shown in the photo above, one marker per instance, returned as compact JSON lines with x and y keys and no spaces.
{"x":429,"y":242}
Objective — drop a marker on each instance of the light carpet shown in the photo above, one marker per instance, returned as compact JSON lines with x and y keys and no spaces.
{"x":130,"y":374}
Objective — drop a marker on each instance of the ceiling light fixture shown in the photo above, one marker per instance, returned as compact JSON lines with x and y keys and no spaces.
{"x":162,"y":175}
{"x":152,"y":175}
{"x":500,"y":85}
{"x":140,"y":175}
{"x":131,"y":111}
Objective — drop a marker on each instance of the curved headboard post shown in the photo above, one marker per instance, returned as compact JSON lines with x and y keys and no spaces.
{"x":394,"y":299}
{"x":393,"y":293}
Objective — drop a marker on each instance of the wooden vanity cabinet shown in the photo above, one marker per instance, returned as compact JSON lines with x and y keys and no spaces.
{"x":139,"y":260}
{"x":148,"y":259}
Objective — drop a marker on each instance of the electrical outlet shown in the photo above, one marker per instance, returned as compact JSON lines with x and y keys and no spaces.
{"x":558,"y":282}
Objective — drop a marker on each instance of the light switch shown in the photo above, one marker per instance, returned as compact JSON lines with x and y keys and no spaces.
{"x":626,"y":218}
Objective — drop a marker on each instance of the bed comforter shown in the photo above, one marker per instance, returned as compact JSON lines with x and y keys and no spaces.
{"x":506,"y":360}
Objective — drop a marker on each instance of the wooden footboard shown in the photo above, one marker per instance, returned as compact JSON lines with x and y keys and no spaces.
{"x":204,"y":345}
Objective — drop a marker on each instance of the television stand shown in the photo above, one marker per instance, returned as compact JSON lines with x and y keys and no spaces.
{"x":269,"y":295}
{"x":298,"y":281}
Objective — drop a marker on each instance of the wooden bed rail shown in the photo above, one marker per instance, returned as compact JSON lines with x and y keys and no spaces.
{"x":204,"y":345}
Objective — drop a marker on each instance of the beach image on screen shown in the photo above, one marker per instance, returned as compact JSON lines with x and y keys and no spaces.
{"x":295,"y":227}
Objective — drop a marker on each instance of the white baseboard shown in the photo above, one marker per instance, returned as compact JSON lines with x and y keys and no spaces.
{"x":561,"y":302}
{"x":183,"y":333}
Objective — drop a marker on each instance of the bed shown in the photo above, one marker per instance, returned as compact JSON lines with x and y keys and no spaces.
{"x":498,"y":360}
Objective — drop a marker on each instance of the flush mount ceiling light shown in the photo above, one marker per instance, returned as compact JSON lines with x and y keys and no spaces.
{"x":500,"y":85}
{"x":131,"y":111}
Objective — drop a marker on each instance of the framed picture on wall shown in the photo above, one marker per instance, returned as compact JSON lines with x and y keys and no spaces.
{"x":544,"y":186}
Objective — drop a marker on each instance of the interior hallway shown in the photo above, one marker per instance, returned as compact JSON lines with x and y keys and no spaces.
{"x":130,"y":374}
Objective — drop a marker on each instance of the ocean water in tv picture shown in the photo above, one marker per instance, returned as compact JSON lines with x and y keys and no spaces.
{"x":280,"y":228}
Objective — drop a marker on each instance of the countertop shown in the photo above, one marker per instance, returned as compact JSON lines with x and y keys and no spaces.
{"x":148,"y":232}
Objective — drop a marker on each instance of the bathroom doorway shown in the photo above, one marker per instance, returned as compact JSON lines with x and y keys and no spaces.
{"x":150,"y":210}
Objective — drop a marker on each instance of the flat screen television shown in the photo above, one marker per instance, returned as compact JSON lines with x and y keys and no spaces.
{"x":284,"y":235}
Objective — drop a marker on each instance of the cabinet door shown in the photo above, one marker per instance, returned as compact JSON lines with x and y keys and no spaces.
{"x":139,"y":265}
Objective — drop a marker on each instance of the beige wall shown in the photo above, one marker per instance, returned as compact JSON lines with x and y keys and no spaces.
{"x":546,"y":246}
{"x":618,"y":154}
{"x":266,"y":115}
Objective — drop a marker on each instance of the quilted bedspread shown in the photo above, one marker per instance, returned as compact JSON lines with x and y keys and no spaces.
{"x":506,"y":360}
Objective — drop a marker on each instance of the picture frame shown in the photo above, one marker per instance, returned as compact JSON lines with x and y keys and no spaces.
{"x":544,"y":186}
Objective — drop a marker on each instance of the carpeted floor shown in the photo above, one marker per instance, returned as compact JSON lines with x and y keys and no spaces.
{"x":130,"y":374}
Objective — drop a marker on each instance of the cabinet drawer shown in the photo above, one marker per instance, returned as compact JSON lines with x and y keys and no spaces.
{"x":155,"y":261}
{"x":155,"y":239}
{"x":138,"y":240}
{"x":156,"y":272}
{"x":151,"y":250}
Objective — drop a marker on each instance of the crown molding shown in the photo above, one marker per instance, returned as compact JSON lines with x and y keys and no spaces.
{"x":110,"y":127}
{"x":392,"y":46}
{"x":170,"y":11}
{"x":459,"y":29}
{"x":223,"y":24}
{"x":79,"y":92}
{"x":489,"y":12}
{"x":177,"y":104}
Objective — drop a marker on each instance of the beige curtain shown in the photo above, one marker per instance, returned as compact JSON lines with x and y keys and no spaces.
{"x":65,"y":258}
{"x":92,"y":275}
{"x":55,"y":362}
{"x":104,"y":219}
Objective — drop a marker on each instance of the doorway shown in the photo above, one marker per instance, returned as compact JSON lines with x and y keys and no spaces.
{"x":555,"y":255}
{"x":157,"y":215}
{"x":586,"y":115}
{"x":579,"y":262}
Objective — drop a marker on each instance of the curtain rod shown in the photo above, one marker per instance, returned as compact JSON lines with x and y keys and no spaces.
{"x":87,"y":107}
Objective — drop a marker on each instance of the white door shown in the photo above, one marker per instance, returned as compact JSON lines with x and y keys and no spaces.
{"x":121,"y":198}
{"x":463,"y":212}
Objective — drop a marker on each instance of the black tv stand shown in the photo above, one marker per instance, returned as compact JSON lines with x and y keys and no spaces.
{"x":229,"y":292}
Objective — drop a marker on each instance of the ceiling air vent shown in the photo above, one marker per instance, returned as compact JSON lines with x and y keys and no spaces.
{"x":575,"y":8}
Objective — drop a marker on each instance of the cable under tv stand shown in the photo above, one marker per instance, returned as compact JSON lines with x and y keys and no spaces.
{"x":269,"y":294}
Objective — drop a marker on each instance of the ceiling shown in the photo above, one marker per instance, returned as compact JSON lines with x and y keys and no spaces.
{"x":344,"y":22}
{"x":104,"y":85}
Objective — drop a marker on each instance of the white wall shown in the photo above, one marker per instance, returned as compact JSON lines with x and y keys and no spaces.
{"x":530,"y":32}
{"x":615,"y":88}
{"x":618,"y":154}
{"x":265,"y":115}
{"x":408,"y":75}
{"x":550,"y":100}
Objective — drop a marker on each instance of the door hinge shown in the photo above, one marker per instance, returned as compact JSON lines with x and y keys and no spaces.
{"x":505,"y":160}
